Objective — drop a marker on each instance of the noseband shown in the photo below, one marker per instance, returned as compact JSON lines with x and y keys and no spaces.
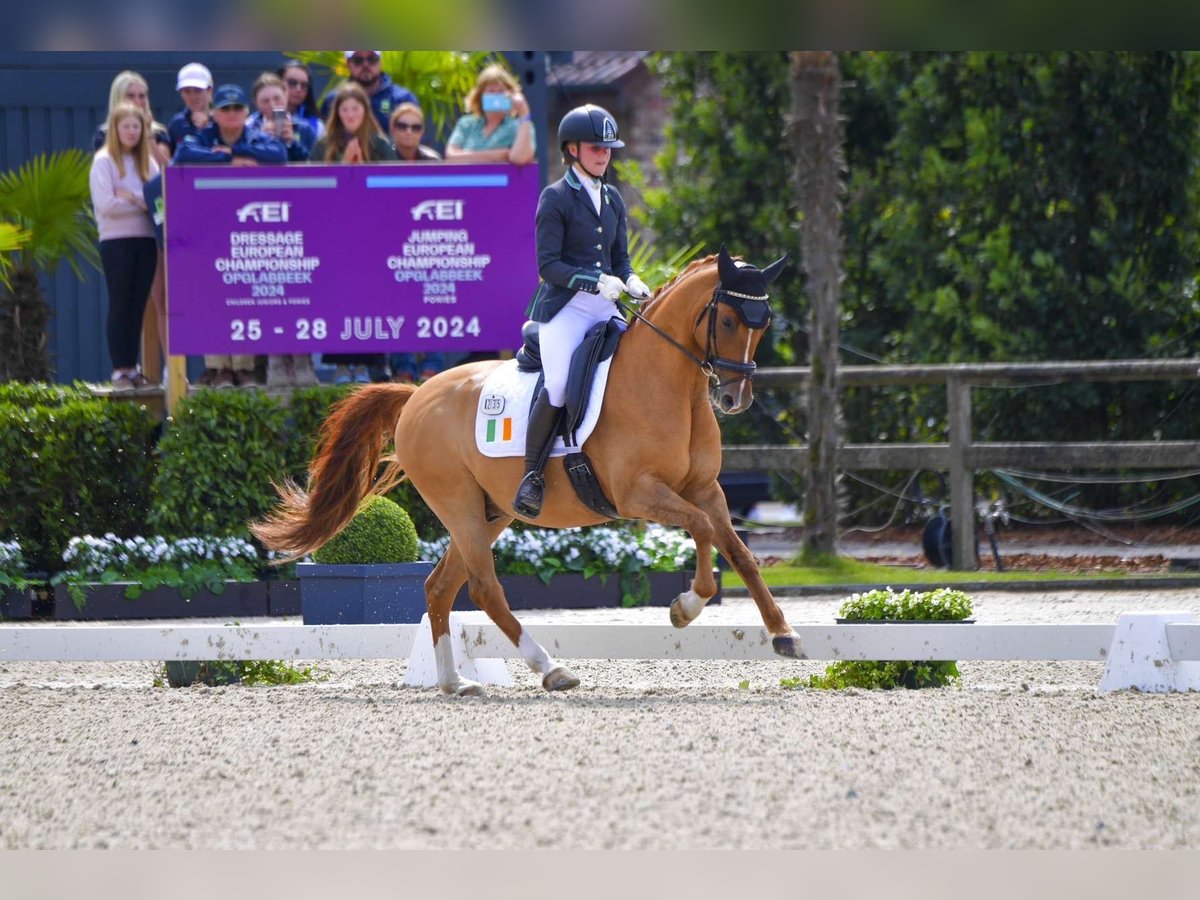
{"x":753,"y":309}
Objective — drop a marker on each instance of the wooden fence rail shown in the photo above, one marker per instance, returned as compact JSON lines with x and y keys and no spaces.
{"x":961,"y":456}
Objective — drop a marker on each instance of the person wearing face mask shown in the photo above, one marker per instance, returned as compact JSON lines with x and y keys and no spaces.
{"x":497,"y":127}
{"x":583,"y":261}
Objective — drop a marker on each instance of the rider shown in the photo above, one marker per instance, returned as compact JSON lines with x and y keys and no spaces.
{"x":583,"y":260}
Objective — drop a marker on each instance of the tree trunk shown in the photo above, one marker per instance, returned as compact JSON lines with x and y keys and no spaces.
{"x":24,"y":328}
{"x":815,"y":133}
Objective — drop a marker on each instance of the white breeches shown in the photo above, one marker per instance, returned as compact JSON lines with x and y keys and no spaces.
{"x":560,"y":336}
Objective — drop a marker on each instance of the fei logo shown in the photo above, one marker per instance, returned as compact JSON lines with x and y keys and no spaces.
{"x":438,"y":210}
{"x":265,"y":211}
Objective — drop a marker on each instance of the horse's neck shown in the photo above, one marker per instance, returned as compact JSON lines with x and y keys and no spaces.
{"x":674,"y":313}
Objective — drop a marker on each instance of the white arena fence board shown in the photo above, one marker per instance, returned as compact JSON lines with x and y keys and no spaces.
{"x":484,"y":640}
{"x":1154,"y":652}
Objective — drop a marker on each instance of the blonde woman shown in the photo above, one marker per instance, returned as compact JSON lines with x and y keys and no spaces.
{"x":128,"y":250}
{"x":352,"y":134}
{"x":497,"y":127}
{"x":130,"y":87}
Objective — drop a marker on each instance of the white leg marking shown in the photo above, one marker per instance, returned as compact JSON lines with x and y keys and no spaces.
{"x":535,"y":655}
{"x":449,"y":680}
{"x":691,"y":604}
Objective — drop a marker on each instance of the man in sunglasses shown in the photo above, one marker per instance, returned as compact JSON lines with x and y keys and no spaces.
{"x":385,"y":94}
{"x":227,"y":139}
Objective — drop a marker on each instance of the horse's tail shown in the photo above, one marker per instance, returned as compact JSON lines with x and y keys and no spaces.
{"x":342,"y":472}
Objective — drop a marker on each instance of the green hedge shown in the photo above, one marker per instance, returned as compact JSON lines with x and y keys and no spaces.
{"x":220,"y":454}
{"x":71,"y":466}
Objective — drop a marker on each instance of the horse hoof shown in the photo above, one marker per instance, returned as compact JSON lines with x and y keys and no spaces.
{"x":464,"y":688}
{"x":788,"y":645}
{"x":560,"y":679}
{"x":678,"y":619}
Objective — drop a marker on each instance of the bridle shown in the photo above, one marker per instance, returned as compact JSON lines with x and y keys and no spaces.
{"x":753,"y":309}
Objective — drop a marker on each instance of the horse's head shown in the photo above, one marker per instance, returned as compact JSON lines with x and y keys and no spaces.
{"x":730,"y":327}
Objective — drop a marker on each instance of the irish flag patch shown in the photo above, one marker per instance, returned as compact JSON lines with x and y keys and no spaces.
{"x":499,"y":429}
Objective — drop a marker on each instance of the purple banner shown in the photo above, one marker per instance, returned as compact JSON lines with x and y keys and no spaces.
{"x":351,"y":259}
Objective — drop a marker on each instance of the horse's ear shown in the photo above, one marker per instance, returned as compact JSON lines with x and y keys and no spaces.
{"x":726,"y":268}
{"x":771,"y":272}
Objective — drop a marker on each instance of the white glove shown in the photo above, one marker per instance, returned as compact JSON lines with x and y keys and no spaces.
{"x":637,"y":288}
{"x":611,"y":287}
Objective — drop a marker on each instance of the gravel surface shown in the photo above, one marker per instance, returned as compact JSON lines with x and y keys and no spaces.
{"x":642,"y":755}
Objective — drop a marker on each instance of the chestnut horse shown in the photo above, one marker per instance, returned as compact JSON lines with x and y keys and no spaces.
{"x":656,"y":451}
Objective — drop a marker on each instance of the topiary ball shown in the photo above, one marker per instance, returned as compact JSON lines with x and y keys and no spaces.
{"x":380,"y":532}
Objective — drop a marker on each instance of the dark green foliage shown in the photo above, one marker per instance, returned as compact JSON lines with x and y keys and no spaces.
{"x":309,"y":408}
{"x":219,"y":457}
{"x":78,"y":467}
{"x":42,"y":394}
{"x":942,"y":605}
{"x":1000,"y":207}
{"x":380,"y":532}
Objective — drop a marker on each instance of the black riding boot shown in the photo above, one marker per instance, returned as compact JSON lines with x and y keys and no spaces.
{"x":539,"y":438}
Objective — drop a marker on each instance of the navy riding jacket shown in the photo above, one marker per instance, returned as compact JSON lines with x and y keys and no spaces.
{"x":575,"y":245}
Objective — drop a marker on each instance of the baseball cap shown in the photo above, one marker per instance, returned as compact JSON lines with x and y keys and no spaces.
{"x":194,"y":75}
{"x":350,"y":53}
{"x":229,"y":95}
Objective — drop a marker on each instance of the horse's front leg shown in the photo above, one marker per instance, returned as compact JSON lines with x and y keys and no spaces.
{"x":712,"y":500}
{"x":652,"y":499}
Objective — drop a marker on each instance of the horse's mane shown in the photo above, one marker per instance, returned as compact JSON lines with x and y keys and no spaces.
{"x":687,"y":271}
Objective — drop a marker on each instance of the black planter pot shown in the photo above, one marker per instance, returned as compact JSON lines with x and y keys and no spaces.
{"x":108,"y":601}
{"x":16,"y":604}
{"x":573,"y":591}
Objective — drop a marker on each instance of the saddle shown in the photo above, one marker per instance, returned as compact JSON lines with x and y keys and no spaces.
{"x":598,"y":344}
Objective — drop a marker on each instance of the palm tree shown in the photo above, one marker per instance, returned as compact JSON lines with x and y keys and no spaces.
{"x":439,"y":78}
{"x":48,"y":204}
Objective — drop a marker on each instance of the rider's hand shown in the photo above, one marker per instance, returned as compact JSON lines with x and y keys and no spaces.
{"x":611,"y":287}
{"x":637,"y":288}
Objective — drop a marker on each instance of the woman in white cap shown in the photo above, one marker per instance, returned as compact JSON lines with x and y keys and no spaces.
{"x":195,"y":86}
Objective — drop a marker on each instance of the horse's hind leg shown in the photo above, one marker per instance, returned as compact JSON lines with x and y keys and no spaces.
{"x":476,"y":567}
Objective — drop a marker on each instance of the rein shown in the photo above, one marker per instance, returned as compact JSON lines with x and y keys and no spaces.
{"x":711,"y":362}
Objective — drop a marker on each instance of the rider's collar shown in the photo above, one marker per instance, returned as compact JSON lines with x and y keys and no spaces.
{"x":575,"y":181}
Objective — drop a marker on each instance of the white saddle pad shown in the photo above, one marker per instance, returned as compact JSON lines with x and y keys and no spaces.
{"x":504,"y":405}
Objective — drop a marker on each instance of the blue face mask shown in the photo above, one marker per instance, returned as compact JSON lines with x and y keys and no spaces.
{"x":496,"y":102}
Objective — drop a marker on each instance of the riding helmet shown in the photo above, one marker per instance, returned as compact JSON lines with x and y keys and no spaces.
{"x":590,"y":124}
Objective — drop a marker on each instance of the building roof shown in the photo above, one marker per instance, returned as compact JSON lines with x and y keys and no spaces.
{"x":597,"y":68}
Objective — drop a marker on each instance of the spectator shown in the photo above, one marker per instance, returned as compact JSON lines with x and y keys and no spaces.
{"x":130,"y":87}
{"x":301,"y":102}
{"x":269,"y":96}
{"x":227,"y":140}
{"x":406,"y":126}
{"x":120,"y":169}
{"x":367,"y":72}
{"x":195,"y":86}
{"x":353,"y":136}
{"x":497,"y":127}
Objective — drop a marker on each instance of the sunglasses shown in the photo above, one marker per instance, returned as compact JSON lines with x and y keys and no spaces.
{"x":364,"y":60}
{"x":231,"y":107}
{"x":405,"y":126}
{"x":295,"y":83}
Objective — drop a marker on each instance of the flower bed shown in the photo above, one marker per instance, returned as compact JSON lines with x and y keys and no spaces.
{"x":16,"y":601}
{"x":598,"y":566}
{"x":138,"y":577}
